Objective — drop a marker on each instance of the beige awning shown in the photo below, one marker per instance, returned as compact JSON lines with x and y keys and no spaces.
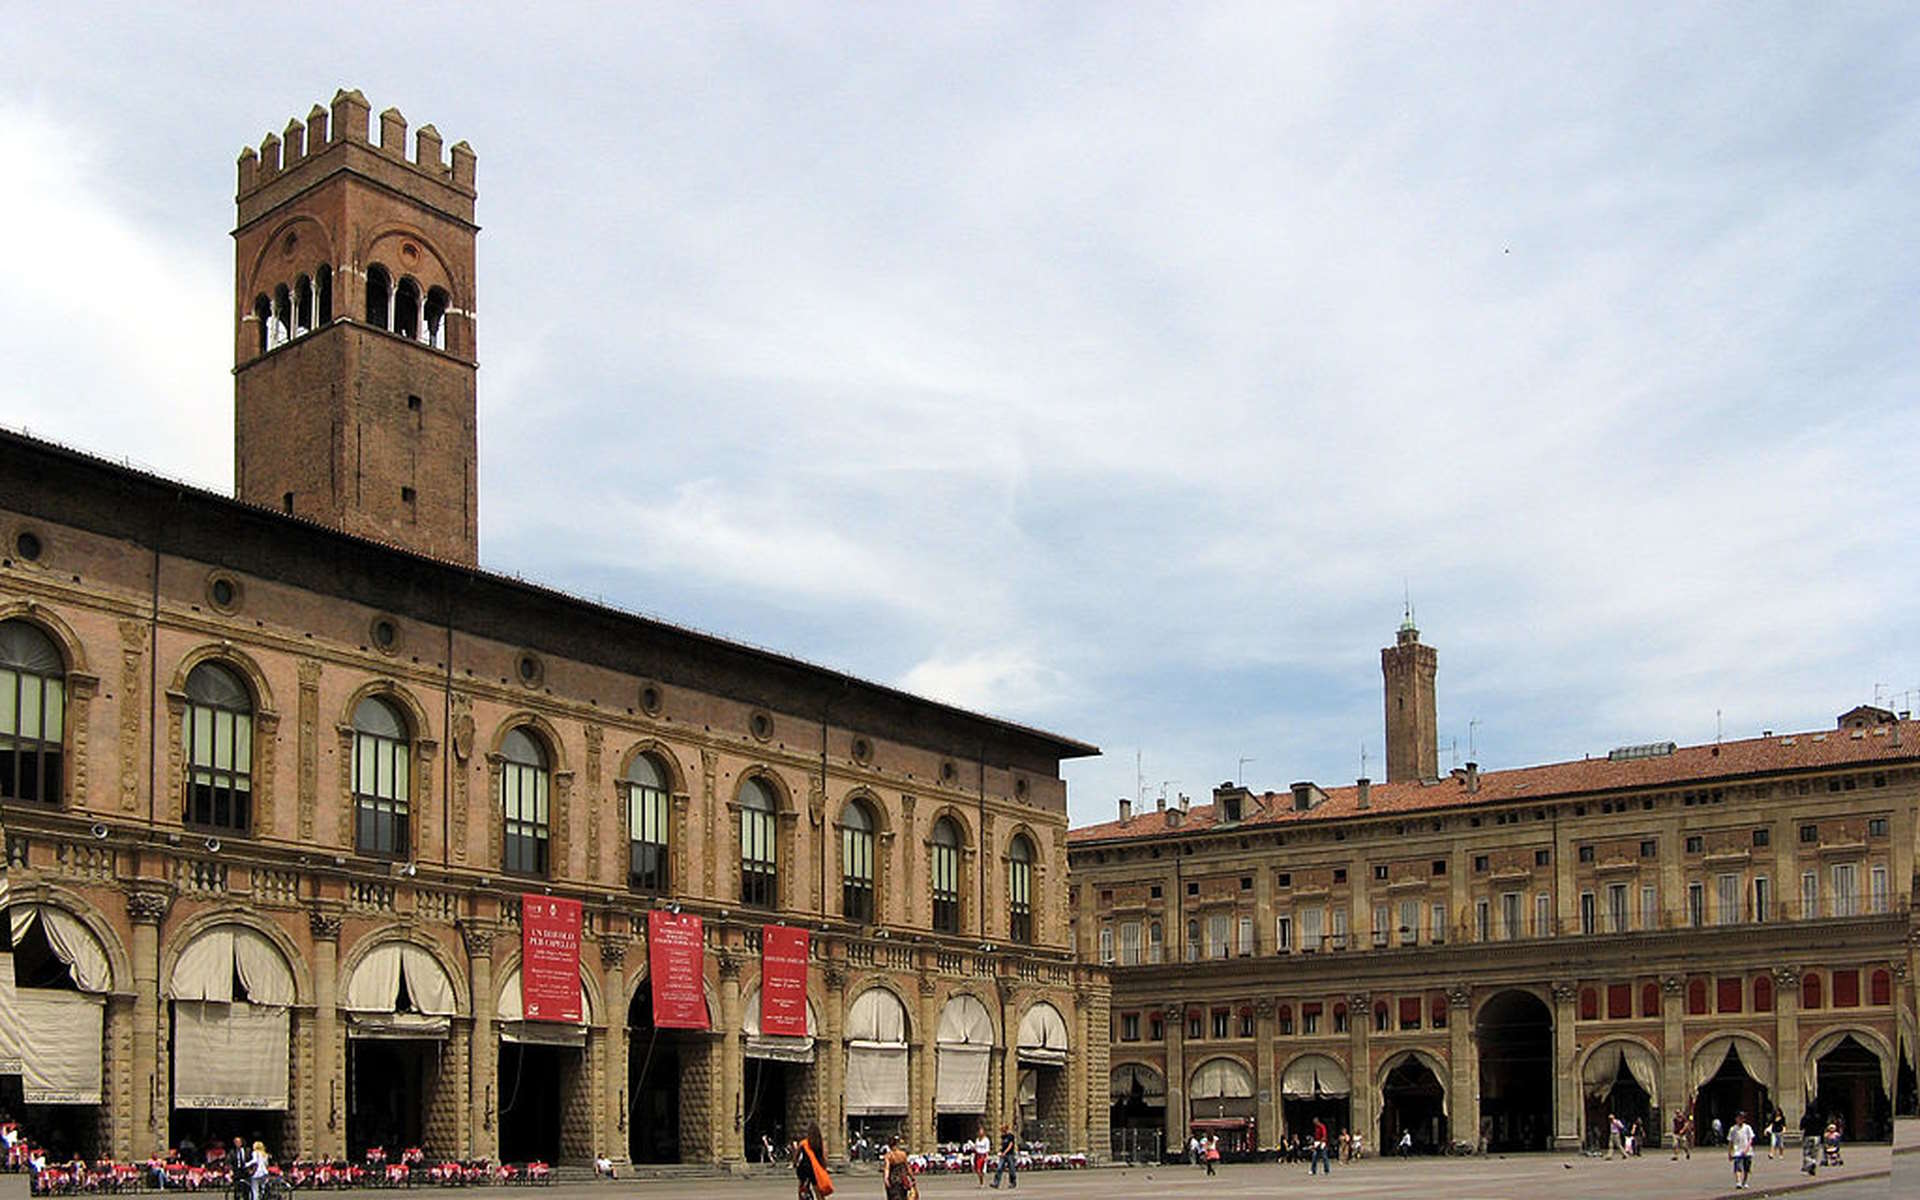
{"x":1314,"y":1075}
{"x":770,"y":1046}
{"x":229,"y":1055}
{"x":1043,"y":1036}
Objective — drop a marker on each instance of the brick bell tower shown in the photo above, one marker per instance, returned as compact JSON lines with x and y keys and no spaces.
{"x":1413,"y":734}
{"x":354,"y":364}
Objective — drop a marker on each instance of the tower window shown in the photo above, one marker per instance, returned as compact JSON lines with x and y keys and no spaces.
{"x":379,"y":297}
{"x":406,"y":309}
{"x":434,"y":331}
{"x":413,"y":404}
{"x":263,"y":317}
{"x":286,"y":502}
{"x":323,"y":294}
{"x":302,"y":306}
{"x":282,"y":315}
{"x":406,"y":495}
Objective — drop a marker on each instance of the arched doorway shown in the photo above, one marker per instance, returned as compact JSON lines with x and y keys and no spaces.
{"x":776,"y":1084}
{"x":963,"y":1054}
{"x":1621,"y":1079}
{"x":659,"y":1129}
{"x":1515,"y":1032}
{"x":231,"y":990}
{"x":1851,"y":1086}
{"x":1729,"y":1076}
{"x":1220,"y":1104}
{"x":876,"y":1066}
{"x":57,"y":1003}
{"x":1413,"y":1101}
{"x":1042,"y":1050}
{"x":399,"y":1009}
{"x":1315,"y":1088}
{"x":1138,"y":1116}
{"x":545,"y":1082}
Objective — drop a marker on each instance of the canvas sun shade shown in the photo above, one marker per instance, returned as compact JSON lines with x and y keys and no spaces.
{"x":963,"y":1049}
{"x":876,"y":1055}
{"x":511,"y":1020}
{"x":373,"y":994}
{"x":1603,"y":1067}
{"x":1153,"y":1085}
{"x":61,"y":1052}
{"x":773,"y":1047}
{"x":1043,"y":1036}
{"x":230,"y":1045}
{"x":1313,"y":1075}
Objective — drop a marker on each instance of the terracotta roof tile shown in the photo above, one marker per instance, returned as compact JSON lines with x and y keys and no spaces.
{"x":1895,"y":742}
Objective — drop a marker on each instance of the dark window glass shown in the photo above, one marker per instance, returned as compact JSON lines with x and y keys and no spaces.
{"x":523,"y":804}
{"x":33,"y":709}
{"x":945,"y":873}
{"x":646,"y":785}
{"x":382,"y":780}
{"x":759,"y":860}
{"x":1020,"y":890}
{"x":218,"y":730}
{"x":856,"y":863}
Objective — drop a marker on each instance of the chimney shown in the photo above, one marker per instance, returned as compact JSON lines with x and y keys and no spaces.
{"x":1363,"y":789}
{"x":1160,"y":802}
{"x":1184,"y":802}
{"x":1473,"y":777}
{"x":1126,"y":810}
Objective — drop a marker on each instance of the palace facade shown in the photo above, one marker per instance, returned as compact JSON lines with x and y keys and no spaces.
{"x":1505,"y":957}
{"x":279,"y":771}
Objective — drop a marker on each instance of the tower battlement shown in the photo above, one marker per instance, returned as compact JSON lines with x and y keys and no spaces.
{"x":332,"y":138}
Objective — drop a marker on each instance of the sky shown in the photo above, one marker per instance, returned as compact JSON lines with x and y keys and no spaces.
{"x":1118,"y":369}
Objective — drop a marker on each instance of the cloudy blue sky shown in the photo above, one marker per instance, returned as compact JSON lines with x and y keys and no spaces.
{"x":1108,"y":367}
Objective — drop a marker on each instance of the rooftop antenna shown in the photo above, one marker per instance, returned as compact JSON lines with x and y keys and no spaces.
{"x":1139,"y":782}
{"x":1718,"y":727}
{"x":1240,"y":772}
{"x":1472,"y":746}
{"x":1879,"y":691}
{"x":1453,"y":752}
{"x":1363,"y":760}
{"x":1406,"y":603}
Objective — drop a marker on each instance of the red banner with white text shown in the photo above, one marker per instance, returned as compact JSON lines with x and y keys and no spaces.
{"x":676,"y":968}
{"x":783,"y":981}
{"x":550,"y":959}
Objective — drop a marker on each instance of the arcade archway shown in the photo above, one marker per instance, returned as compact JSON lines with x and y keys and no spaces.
{"x":777,"y":1082}
{"x":1853,"y":1081}
{"x":1043,"y":1061}
{"x":545,"y":1082}
{"x":876,"y":1094}
{"x":1515,"y":1032}
{"x":1730,"y":1076}
{"x":963,"y":1055}
{"x":1413,"y":1102}
{"x":57,"y":1003}
{"x":1620,"y":1079}
{"x":1220,"y":1104}
{"x":659,"y":1128}
{"x":399,"y":1007}
{"x":1315,"y":1088}
{"x":1138,"y":1116}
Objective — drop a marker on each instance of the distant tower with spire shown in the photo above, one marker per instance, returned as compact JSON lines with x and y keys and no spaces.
{"x":1413,"y":734}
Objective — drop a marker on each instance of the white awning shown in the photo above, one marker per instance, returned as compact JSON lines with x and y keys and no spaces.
{"x":10,"y":1025}
{"x":963,"y":1054}
{"x":1153,"y":1085}
{"x":1603,"y":1067}
{"x":207,"y":966}
{"x":877,"y":1017}
{"x":376,"y":981}
{"x":61,"y":1048}
{"x":964,"y":1021}
{"x":1220,"y":1079}
{"x":510,"y":1019}
{"x":767,"y":1046}
{"x":72,"y":943}
{"x":1710,"y":1056}
{"x":1312,"y":1075}
{"x":229,"y":1055}
{"x":876,"y":1081}
{"x":398,"y":1026}
{"x":1043,"y":1036}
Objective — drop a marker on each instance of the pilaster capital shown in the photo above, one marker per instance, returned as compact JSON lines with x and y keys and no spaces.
{"x":1358,"y":1001}
{"x":324,"y":924}
{"x":1673,"y":985}
{"x":149,"y":905}
{"x":729,"y":964}
{"x":478,"y":936}
{"x":613,"y":951}
{"x":835,"y":978}
{"x":1459,"y":996}
{"x":1786,"y":977}
{"x":1263,"y":1008}
{"x":927,"y":986}
{"x":1565,"y":991}
{"x":1175,"y":1014}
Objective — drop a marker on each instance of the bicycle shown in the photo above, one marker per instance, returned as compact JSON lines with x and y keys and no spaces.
{"x":273,"y":1187}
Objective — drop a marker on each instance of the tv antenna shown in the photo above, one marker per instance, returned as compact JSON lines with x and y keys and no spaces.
{"x":1240,"y":772}
{"x":1473,"y":754}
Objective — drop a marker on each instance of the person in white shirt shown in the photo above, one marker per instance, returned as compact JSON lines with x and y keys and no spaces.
{"x":1740,"y":1149}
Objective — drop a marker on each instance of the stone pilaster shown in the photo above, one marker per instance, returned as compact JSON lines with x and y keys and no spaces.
{"x":833,"y":1055}
{"x":1176,"y":1019}
{"x":1789,"y":1087}
{"x":1673,"y":1059}
{"x":484,"y":1056}
{"x":328,"y":1105}
{"x":728,"y":1115}
{"x":1266,"y":1088}
{"x":1463,"y":1090}
{"x":148,"y":908}
{"x":613,"y":1097}
{"x":1360,"y":1064}
{"x":1567,"y":1105}
{"x":926,"y":1021}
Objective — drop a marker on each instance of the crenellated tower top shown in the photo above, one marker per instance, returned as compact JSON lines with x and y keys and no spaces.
{"x":287,"y":162}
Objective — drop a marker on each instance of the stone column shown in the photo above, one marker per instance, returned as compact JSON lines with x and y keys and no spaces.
{"x":1673,"y":1038}
{"x":1006,"y":1098}
{"x":832,"y":1054}
{"x":329,"y":1105}
{"x":1360,"y":1065}
{"x":1176,"y":1018}
{"x":728,"y":1117}
{"x":1266,"y":1086}
{"x":1463,"y":1090}
{"x":148,"y":908}
{"x":920,"y":1081}
{"x":1790,"y":1086}
{"x":483,"y":1057}
{"x":1096,"y":1067}
{"x":613,"y":1095}
{"x":1078,"y":1056}
{"x":1567,"y":1105}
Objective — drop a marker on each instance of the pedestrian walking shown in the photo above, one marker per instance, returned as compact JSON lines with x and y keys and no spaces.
{"x":810,"y":1165}
{"x":1213,"y":1153}
{"x":896,"y":1173}
{"x":1319,"y":1161}
{"x":1682,"y":1135}
{"x":1009,"y":1149}
{"x":981,"y":1146}
{"x":1777,"y":1134}
{"x":1616,"y":1137}
{"x":1740,"y":1149}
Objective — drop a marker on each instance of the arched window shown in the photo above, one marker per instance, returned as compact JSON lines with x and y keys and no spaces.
{"x":302,"y":306}
{"x":1762,"y":994}
{"x":856,"y":862}
{"x":379,"y":297}
{"x":1880,"y":988}
{"x":1696,"y":997}
{"x":33,"y":712}
{"x":1810,"y":990}
{"x":323,"y":295}
{"x":406,"y":309}
{"x":1283,"y":1018}
{"x":434,"y":331}
{"x":759,"y":857}
{"x":1649,"y":999}
{"x":263,"y":317}
{"x":282,"y":315}
{"x":523,"y":804}
{"x":218,"y":731}
{"x":1382,"y":1016}
{"x":382,"y":780}
{"x":945,"y":874}
{"x":1589,"y":1004}
{"x":1020,"y":889}
{"x":646,"y":787}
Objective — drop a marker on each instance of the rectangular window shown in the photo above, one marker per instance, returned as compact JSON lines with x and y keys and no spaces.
{"x":1762,"y":838}
{"x":1106,"y":943}
{"x":1020,"y":891}
{"x":1220,"y":1016}
{"x":219,"y":745}
{"x":1156,"y":1028}
{"x":945,"y":869}
{"x":32,"y":725}
{"x":1438,"y":928}
{"x":1809,"y":834}
{"x":1809,"y":895}
{"x":1339,"y":930}
{"x":1846,"y":890}
{"x":523,"y":804}
{"x":1878,"y":894}
{"x":1130,"y":1027}
{"x":1846,"y":989}
{"x":1589,"y":914}
{"x":759,"y":862}
{"x":1510,"y":916}
{"x":1193,"y":940}
{"x":1409,"y":922}
{"x":1130,"y":944}
{"x":647,"y":838}
{"x":1649,"y":906}
{"x":1217,"y":930}
{"x":856,"y":866}
{"x":1696,"y":905}
{"x":1616,"y":908}
{"x":1726,"y":899}
{"x":1409,"y":1012}
{"x":1246,"y":937}
{"x":1283,"y":933}
{"x":1762,"y":898}
{"x":1649,"y":849}
{"x":1619,"y":1001}
{"x":1156,"y":943}
{"x":1309,"y":1019}
{"x":1482,"y":920}
{"x":1382,"y":924}
{"x":382,"y":778}
{"x":1246,"y":1022}
{"x":1876,"y":827}
{"x":1193,"y":1026}
{"x":1542,"y":915}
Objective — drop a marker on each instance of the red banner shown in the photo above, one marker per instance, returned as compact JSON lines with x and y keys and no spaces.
{"x":676,"y":967}
{"x":783,"y":981}
{"x":550,"y":959}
